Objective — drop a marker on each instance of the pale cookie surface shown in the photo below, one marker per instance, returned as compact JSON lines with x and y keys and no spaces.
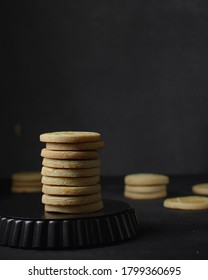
{"x":70,"y":137}
{"x":145,"y":189}
{"x":57,"y":190}
{"x":73,"y":164}
{"x":146,"y":179}
{"x":26,"y":184}
{"x":139,"y":196}
{"x":200,"y":189}
{"x":26,"y":176}
{"x":26,"y":189}
{"x":76,"y":182}
{"x":69,"y":154}
{"x":75,"y":146}
{"x":57,"y":172}
{"x":81,"y":209}
{"x":187,"y":203}
{"x":70,"y":200}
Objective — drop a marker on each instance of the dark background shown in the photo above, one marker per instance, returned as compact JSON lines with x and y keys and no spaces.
{"x":133,"y":70}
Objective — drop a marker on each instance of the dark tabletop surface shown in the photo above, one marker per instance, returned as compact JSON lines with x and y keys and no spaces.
{"x":165,"y":233}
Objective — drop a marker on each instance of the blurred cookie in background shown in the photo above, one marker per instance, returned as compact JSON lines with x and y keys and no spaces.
{"x":26,"y":182}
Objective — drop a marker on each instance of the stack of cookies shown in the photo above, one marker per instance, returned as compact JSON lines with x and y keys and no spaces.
{"x":71,"y":172}
{"x":145,"y":186}
{"x":26,"y":182}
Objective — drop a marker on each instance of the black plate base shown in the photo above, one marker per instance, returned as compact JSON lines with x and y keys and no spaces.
{"x":24,"y":224}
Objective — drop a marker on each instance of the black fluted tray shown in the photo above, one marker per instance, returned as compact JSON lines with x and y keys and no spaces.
{"x":24,"y":224}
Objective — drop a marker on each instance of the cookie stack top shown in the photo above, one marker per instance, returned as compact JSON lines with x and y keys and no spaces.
{"x":70,"y":137}
{"x":71,"y":171}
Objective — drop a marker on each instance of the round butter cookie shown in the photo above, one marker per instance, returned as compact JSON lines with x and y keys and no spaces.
{"x":58,"y":190}
{"x":29,"y":184}
{"x":57,"y":172}
{"x":70,"y":200}
{"x":70,"y":137}
{"x":76,"y":182}
{"x":146,"y":179}
{"x":200,"y":189}
{"x":75,"y":146}
{"x":187,"y":203}
{"x":26,"y":189}
{"x":26,"y":176}
{"x":69,"y":154}
{"x":143,"y":196}
{"x":145,"y":189}
{"x":71,"y":164}
{"x":80,"y":209}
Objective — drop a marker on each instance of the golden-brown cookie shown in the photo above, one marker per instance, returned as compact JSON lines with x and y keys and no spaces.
{"x":26,"y":176}
{"x":70,"y":200}
{"x":70,"y":137}
{"x":79,"y":209}
{"x":15,"y":189}
{"x":75,"y":146}
{"x":29,"y":184}
{"x":145,"y":189}
{"x":57,"y":172}
{"x":187,"y":203}
{"x":67,"y":190}
{"x":200,"y":189}
{"x":143,"y":196}
{"x":69,"y":154}
{"x":71,"y":164}
{"x":146,"y":179}
{"x":74,"y":182}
